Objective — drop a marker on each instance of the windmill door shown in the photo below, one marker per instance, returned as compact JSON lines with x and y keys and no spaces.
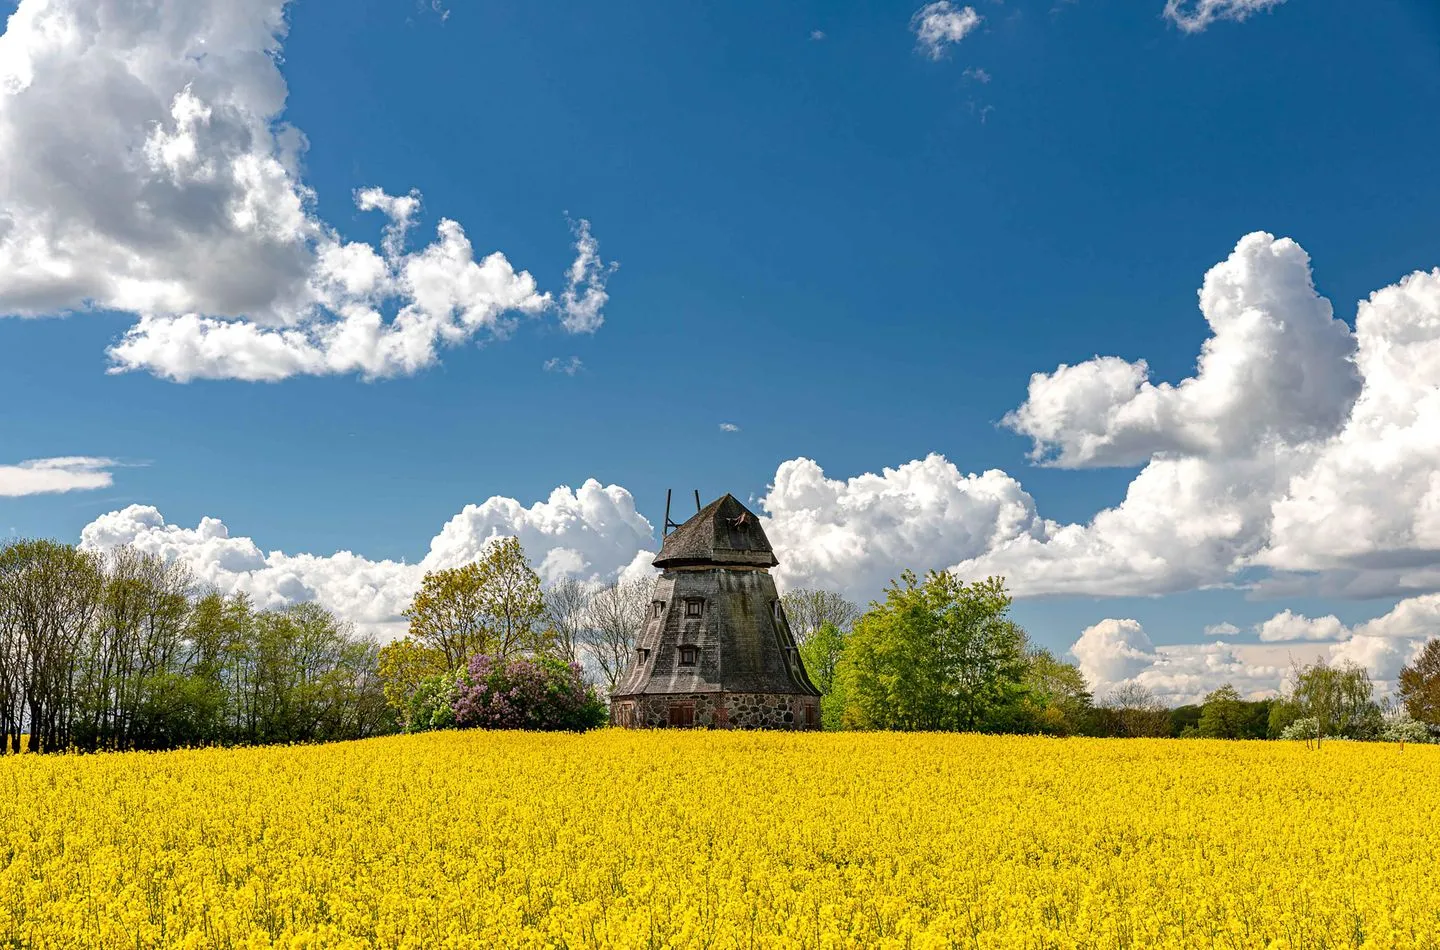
{"x":682,"y":715}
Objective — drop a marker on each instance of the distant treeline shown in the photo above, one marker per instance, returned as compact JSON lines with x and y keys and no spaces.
{"x":120,"y":652}
{"x":125,"y":651}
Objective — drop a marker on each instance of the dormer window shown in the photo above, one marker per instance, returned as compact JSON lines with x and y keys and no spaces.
{"x":689,"y":654}
{"x":694,"y":608}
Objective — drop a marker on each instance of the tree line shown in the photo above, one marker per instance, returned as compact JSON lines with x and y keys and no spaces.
{"x":126,"y":651}
{"x":123,"y":651}
{"x":941,"y":654}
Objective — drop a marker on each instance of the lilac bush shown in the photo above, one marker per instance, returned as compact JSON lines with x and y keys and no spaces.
{"x":525,"y":693}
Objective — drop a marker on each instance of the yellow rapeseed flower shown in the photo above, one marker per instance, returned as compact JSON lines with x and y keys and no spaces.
{"x":725,"y":840}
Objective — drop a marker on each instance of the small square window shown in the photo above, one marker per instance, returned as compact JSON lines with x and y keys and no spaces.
{"x":658,"y":608}
{"x":688,"y":655}
{"x":693,"y":608}
{"x":643,"y":654}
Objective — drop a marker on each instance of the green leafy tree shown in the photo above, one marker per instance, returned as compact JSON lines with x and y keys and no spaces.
{"x":1340,"y":699}
{"x":1056,"y":699}
{"x":822,"y":652}
{"x":1222,"y":716}
{"x":403,"y":665}
{"x":935,"y":655}
{"x":493,"y":606}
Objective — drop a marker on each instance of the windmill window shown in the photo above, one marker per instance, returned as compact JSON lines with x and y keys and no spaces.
{"x":779,"y":613}
{"x":643,"y":654}
{"x":658,"y":607}
{"x":693,"y":608}
{"x":688,"y":655}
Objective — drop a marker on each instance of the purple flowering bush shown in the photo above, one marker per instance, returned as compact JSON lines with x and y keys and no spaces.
{"x":525,"y":693}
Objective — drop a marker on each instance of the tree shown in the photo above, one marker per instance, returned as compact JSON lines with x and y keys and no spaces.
{"x":936,"y":655}
{"x":1056,"y":697}
{"x":404,"y":665}
{"x":821,"y":654}
{"x":807,"y":610}
{"x":1132,"y":710}
{"x":448,"y":614}
{"x":1223,"y":715}
{"x":491,"y":606}
{"x":1419,"y":686}
{"x":1340,"y":699}
{"x":510,"y":594}
{"x":617,"y":612}
{"x":49,"y":596}
{"x":567,"y":603}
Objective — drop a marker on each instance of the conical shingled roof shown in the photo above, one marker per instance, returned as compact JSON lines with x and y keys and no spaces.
{"x":723,"y":534}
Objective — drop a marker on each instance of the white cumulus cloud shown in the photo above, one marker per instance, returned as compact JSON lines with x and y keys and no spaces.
{"x":939,"y":24}
{"x":176,"y":195}
{"x":55,"y":475}
{"x":591,"y":533}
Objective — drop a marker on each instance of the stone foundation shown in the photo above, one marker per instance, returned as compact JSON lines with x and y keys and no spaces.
{"x":717,"y":711}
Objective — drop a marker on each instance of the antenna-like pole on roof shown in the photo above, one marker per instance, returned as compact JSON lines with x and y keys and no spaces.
{"x":697,"y":501}
{"x":669,"y":525}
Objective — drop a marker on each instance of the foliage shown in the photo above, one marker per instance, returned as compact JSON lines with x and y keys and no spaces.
{"x":1402,"y":728}
{"x":494,"y":605}
{"x":1306,"y":727}
{"x":615,"y":614}
{"x":1131,"y":711}
{"x":628,"y":839}
{"x":1221,"y":717}
{"x":936,"y":655}
{"x":121,"y":652}
{"x":1055,"y":698}
{"x":543,"y":693}
{"x":821,"y":653}
{"x":431,"y":704}
{"x":1419,"y":685}
{"x":404,"y":665}
{"x":1340,"y":698}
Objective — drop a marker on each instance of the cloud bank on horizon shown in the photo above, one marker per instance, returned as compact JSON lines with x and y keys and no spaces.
{"x":190,"y":212}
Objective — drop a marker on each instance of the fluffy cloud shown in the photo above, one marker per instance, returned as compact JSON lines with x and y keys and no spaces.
{"x":1222,"y":629}
{"x":1276,"y":370}
{"x":941,"y":23}
{"x":1192,"y":16}
{"x":1371,"y":500}
{"x":1296,"y":446}
{"x":593,"y":533}
{"x":55,"y":475}
{"x":1292,"y":626}
{"x":856,"y":534}
{"x":188,"y":209}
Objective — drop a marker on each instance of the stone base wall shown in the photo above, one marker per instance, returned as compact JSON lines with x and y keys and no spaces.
{"x":717,"y":711}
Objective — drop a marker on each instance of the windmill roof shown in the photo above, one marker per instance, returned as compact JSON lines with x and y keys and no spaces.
{"x":723,"y":533}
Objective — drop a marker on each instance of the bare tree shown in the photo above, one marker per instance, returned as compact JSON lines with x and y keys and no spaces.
{"x":617,"y":612}
{"x":567,"y":602}
{"x":809,"y":609}
{"x":1137,"y":712}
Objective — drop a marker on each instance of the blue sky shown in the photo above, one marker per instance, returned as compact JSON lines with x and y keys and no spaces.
{"x":854,"y":250}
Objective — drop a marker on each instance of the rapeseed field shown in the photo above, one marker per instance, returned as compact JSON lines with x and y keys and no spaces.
{"x":705,"y":839}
